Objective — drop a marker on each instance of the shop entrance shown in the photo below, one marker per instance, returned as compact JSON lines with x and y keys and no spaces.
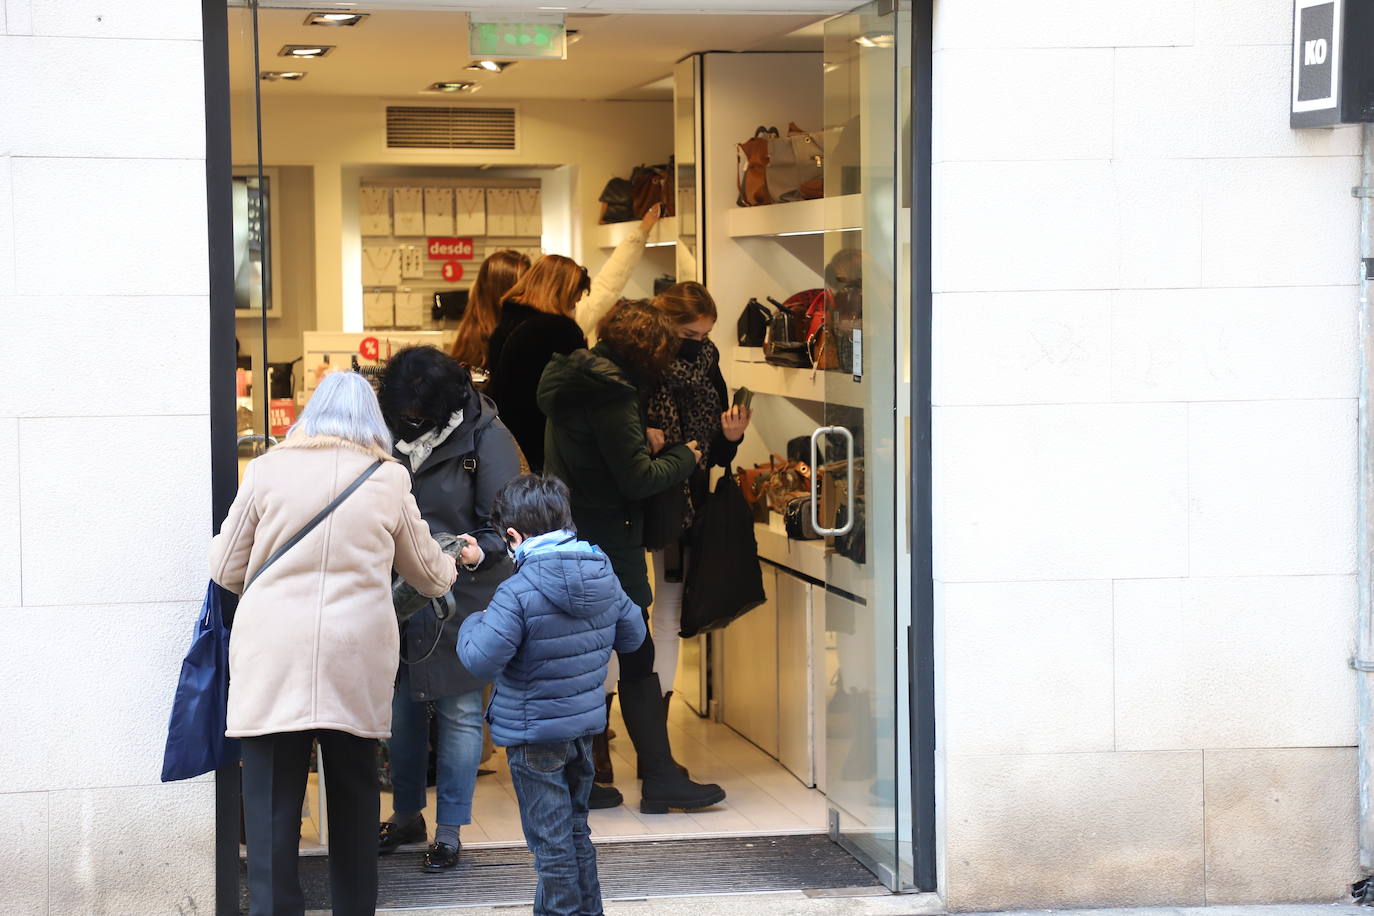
{"x":373,"y":162}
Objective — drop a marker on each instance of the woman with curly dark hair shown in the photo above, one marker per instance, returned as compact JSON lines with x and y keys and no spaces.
{"x":459,"y":455}
{"x":596,"y":443}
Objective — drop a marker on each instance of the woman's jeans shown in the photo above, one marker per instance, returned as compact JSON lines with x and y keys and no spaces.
{"x":276,"y":769}
{"x":553,"y":783}
{"x":459,"y":751}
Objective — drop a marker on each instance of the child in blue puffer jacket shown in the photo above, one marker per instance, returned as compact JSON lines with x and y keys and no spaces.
{"x":546,"y":639}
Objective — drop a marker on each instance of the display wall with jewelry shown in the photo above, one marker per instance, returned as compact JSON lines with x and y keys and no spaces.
{"x":427,"y":235}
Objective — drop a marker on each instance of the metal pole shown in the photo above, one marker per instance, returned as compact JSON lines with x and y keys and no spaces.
{"x":1364,"y":624}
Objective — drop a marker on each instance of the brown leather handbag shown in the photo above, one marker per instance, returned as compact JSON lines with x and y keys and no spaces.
{"x":752,"y":158}
{"x":652,"y":184}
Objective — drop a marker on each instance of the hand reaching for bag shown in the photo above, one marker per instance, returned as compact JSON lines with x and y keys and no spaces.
{"x":651,"y":218}
{"x":695,"y":448}
{"x":735,"y":421}
{"x":656,"y":440}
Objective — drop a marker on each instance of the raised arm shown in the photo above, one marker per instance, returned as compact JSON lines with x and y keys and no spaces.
{"x":610,"y":280}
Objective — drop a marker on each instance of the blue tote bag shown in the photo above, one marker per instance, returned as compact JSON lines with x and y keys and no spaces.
{"x":195,"y":733}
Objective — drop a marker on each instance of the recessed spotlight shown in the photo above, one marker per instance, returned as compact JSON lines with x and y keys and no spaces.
{"x":572,"y":36}
{"x":491,"y":66}
{"x":336,"y":19}
{"x":452,"y":86}
{"x":273,"y":76}
{"x":299,"y":51}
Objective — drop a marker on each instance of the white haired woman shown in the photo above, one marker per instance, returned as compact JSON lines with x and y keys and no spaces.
{"x":313,"y":650}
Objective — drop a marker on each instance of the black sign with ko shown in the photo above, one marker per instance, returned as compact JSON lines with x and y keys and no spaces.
{"x":1333,"y":70}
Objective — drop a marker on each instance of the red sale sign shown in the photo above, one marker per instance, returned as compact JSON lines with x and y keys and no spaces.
{"x":453,"y":271}
{"x":282,"y":412}
{"x":446,"y":249}
{"x":370,"y":348}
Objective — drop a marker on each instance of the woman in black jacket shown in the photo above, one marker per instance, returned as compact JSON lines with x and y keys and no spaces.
{"x":554,"y":308}
{"x":459,"y":454}
{"x":691,"y":404}
{"x":596,"y":444}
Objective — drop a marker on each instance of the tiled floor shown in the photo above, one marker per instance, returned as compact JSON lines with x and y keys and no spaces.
{"x":763,"y":797}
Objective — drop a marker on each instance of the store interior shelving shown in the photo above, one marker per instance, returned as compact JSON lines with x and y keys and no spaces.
{"x":800,"y":384}
{"x":801,"y":217}
{"x":810,"y":558}
{"x":662,"y":235}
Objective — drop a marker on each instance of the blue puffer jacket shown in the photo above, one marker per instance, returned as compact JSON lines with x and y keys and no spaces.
{"x":546,"y":638}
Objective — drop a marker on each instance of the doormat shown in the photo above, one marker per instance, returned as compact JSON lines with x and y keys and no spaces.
{"x":664,"y":868}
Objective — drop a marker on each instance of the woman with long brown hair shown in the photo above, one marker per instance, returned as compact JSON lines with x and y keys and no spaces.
{"x":552,"y":309}
{"x":598,"y":447}
{"x":498,"y":274}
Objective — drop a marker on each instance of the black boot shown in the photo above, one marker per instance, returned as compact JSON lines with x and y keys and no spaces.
{"x":665,"y":788}
{"x":667,"y":701}
{"x":601,"y":749}
{"x":604,"y":797}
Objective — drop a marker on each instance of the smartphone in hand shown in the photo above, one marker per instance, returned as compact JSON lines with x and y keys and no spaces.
{"x":743,"y":398}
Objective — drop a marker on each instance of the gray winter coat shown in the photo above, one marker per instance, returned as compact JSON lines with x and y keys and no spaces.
{"x":455,"y":494}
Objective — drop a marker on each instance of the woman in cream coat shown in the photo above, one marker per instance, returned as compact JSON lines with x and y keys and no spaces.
{"x":314,"y":644}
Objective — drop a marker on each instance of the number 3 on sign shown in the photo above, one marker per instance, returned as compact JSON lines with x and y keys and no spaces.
{"x":453,"y":271}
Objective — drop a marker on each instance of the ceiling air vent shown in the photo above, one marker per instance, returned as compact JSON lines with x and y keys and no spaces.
{"x":449,"y":127}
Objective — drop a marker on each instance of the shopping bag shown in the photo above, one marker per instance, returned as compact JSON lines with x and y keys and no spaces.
{"x":195,"y":730}
{"x":724,"y":579}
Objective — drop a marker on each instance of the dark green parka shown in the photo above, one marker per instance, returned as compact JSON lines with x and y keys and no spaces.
{"x":595,"y":443}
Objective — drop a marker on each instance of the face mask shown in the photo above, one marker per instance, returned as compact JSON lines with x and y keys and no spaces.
{"x":411,"y":428}
{"x":689,"y":349}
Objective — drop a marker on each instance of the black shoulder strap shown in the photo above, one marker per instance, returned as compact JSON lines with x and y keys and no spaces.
{"x":314,"y":522}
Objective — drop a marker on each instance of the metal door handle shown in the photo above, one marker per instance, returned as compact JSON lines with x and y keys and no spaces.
{"x":849,"y":477}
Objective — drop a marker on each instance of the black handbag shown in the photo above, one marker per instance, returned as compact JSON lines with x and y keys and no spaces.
{"x":797,"y":519}
{"x":618,"y":196}
{"x":449,"y":304}
{"x":786,"y":344}
{"x":853,"y":545}
{"x":751,"y":330}
{"x":724,"y":579}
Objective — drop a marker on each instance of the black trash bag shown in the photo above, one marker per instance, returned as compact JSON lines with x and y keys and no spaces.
{"x":724,"y":580}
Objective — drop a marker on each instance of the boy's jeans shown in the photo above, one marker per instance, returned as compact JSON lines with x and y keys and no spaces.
{"x":553,"y":783}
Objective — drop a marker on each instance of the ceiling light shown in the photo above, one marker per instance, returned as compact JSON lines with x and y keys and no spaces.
{"x":492,"y":66}
{"x":336,"y":19}
{"x":452,"y":86}
{"x":273,"y":76}
{"x":305,"y":51}
{"x":572,"y":36}
{"x":874,"y":40}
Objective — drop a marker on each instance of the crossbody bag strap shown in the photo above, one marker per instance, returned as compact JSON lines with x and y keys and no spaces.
{"x":314,"y":522}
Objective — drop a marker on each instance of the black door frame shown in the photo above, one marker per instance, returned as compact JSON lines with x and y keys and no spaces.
{"x":224,"y":434}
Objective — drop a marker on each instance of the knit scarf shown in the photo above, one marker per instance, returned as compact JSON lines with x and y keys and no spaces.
{"x":686,"y":406}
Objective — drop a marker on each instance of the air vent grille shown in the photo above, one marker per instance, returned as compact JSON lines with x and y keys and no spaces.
{"x":449,"y":127}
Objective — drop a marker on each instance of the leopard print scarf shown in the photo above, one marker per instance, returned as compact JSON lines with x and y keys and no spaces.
{"x":686,"y":406}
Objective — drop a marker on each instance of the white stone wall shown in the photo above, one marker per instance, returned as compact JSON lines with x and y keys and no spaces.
{"x":104,"y":452}
{"x":1145,"y":437}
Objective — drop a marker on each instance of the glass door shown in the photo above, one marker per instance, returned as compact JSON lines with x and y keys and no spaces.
{"x":856,"y":450}
{"x":256,"y":297}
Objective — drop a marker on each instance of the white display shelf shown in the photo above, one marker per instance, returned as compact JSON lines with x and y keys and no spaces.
{"x":811,"y":559}
{"x":801,"y":384}
{"x":801,"y":217}
{"x":612,"y":234}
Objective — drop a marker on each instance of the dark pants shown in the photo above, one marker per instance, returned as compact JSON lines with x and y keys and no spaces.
{"x":552,"y":783}
{"x":638,"y":664}
{"x":275,"y":771}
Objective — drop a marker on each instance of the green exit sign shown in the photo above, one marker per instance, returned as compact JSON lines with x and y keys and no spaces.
{"x":518,"y":37}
